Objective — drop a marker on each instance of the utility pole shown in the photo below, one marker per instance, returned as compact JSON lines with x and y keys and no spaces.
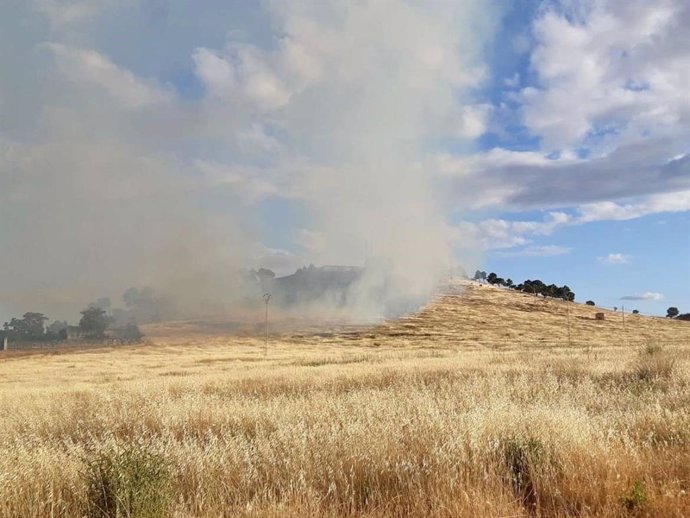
{"x":267,"y":298}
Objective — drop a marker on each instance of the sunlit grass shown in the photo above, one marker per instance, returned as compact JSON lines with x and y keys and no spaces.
{"x":414,"y":427}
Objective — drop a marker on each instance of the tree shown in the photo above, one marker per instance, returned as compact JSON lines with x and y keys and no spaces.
{"x":479,"y":275}
{"x":509,"y":283}
{"x":29,"y":327}
{"x":57,"y":330}
{"x":491,"y":278}
{"x":568,"y":294}
{"x":590,"y":303}
{"x":264,"y":274}
{"x":636,"y":311}
{"x":94,"y":322}
{"x":672,"y":312}
{"x":129,"y":332}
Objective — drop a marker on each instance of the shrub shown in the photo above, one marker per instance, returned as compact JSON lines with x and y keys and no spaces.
{"x":129,"y":332}
{"x":126,"y":482}
{"x":636,"y":498}
{"x":590,"y":303}
{"x":521,"y":456}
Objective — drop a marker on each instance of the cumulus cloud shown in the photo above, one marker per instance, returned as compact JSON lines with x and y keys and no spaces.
{"x":615,"y":259}
{"x":493,"y":234}
{"x":617,"y":67}
{"x":649,"y":295}
{"x":609,"y":108}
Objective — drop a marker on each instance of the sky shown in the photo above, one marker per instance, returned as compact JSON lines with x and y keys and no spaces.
{"x":167,"y":142}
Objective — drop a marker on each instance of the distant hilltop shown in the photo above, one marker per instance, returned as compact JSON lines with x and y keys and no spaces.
{"x":329,"y":283}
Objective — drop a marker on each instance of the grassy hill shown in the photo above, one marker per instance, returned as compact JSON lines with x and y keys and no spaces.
{"x":466,"y":314}
{"x":477,"y":406}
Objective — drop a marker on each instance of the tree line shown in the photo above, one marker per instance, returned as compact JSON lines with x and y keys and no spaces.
{"x":564,"y":292}
{"x":537,"y":287}
{"x":94,"y":324}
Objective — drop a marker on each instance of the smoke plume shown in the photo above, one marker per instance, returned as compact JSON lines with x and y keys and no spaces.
{"x":171,"y":160}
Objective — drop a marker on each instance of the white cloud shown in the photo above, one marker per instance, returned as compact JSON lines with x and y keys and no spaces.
{"x":654,"y":204}
{"x":88,"y":67}
{"x":649,"y":295}
{"x":610,"y":103}
{"x":494,"y":233}
{"x":615,"y":259}
{"x":616,"y":72}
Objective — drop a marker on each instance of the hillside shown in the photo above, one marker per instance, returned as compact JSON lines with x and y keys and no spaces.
{"x":467,"y":314}
{"x":477,"y":406}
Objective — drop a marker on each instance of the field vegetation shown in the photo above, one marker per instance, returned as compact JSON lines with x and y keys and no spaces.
{"x":486,"y":403}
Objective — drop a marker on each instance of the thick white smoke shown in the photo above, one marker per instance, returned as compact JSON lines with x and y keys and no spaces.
{"x":113,"y":177}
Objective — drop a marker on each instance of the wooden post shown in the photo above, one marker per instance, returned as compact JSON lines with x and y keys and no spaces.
{"x":5,"y":345}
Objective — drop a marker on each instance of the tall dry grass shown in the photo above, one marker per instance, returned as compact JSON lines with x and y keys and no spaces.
{"x":482,"y":405}
{"x":583,"y":432}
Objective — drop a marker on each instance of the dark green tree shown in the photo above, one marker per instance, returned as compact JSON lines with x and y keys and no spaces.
{"x":29,"y":327}
{"x":94,"y":322}
{"x":672,"y":312}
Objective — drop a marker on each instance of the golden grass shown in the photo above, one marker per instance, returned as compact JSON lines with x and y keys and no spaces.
{"x":455,"y":412}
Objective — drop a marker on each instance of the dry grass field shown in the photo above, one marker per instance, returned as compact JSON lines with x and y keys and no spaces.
{"x":487,"y":403}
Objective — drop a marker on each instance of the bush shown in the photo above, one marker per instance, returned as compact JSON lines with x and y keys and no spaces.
{"x":127,"y":482}
{"x":130,"y":333}
{"x":521,"y":457}
{"x":636,"y":498}
{"x":590,"y":303}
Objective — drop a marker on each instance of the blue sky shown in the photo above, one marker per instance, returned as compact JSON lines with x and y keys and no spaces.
{"x":160,"y":141}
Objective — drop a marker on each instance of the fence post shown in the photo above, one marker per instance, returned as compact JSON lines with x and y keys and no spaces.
{"x":5,"y":345}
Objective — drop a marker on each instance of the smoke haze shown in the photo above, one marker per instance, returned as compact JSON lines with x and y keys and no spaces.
{"x":275,"y":135}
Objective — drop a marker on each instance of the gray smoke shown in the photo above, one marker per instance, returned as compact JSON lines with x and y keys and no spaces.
{"x":113,"y":178}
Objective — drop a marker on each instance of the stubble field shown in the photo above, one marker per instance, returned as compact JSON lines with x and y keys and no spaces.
{"x":487,"y":403}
